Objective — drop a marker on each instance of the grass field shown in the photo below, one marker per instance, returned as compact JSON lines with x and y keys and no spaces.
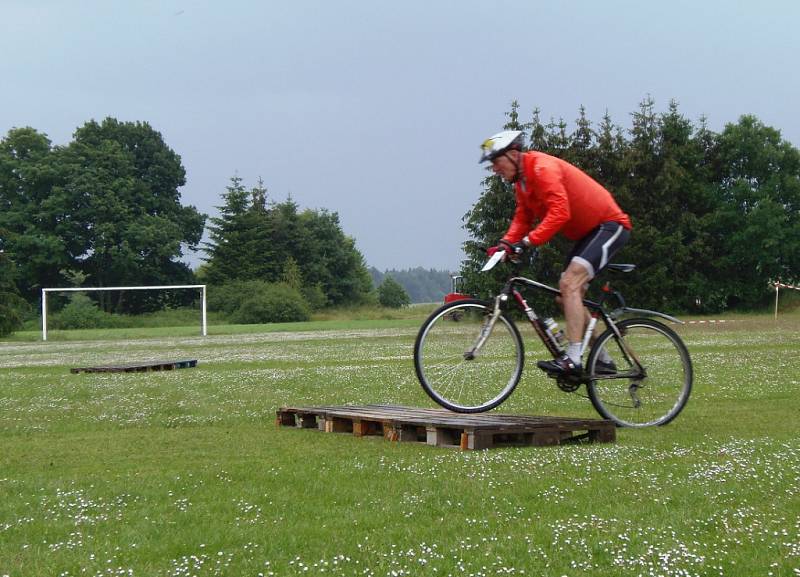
{"x":185,"y":473}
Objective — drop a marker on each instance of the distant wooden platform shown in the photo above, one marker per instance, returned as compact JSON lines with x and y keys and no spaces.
{"x":443,"y":428}
{"x":138,"y":367}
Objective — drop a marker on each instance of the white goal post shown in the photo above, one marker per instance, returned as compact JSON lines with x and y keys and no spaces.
{"x":778,"y":286}
{"x":201,"y":287}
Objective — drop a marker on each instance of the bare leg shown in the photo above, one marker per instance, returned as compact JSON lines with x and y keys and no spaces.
{"x":573,"y":288}
{"x":586,"y":316}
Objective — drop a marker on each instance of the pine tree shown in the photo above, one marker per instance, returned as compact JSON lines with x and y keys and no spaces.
{"x":716,"y":216}
{"x":227,"y":236}
{"x":581,"y":143}
{"x":255,"y":239}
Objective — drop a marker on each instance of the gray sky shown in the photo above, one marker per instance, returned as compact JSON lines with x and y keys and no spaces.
{"x":376,"y":109}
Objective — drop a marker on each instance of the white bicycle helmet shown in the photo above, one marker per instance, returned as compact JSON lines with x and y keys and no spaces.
{"x":500,"y":143}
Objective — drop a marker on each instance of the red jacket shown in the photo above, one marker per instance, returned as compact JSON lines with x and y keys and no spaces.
{"x":562,"y":198}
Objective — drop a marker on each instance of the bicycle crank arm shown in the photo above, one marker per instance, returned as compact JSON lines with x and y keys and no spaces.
{"x":628,"y":375}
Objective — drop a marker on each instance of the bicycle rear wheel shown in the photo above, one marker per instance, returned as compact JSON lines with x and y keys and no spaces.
{"x":653,"y":396}
{"x":454,"y":376}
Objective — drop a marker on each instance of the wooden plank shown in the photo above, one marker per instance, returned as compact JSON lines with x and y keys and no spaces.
{"x":603,"y":435}
{"x":444,"y":417}
{"x":137,"y":367}
{"x":442,"y":428}
{"x":443,"y":437}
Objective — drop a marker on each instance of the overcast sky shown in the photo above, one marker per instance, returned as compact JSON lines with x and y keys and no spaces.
{"x":376,"y":109}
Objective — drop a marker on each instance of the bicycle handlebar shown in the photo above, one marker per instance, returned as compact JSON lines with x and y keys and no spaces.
{"x":500,"y":256}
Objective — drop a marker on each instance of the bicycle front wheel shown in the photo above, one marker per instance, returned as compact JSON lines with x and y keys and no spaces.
{"x":462,"y":362}
{"x":634,"y":397}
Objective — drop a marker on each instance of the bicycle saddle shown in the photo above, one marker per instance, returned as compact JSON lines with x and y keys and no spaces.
{"x":621,"y":267}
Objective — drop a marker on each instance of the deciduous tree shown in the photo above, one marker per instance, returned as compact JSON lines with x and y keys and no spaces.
{"x":11,"y":304}
{"x":106,"y":205}
{"x":391,"y":294}
{"x":122,"y":182}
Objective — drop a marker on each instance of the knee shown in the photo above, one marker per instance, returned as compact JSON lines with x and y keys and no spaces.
{"x":568,"y":286}
{"x":574,"y":280}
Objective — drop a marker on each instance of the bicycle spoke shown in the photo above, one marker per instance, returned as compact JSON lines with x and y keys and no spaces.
{"x":652,"y":394}
{"x":463,"y":383}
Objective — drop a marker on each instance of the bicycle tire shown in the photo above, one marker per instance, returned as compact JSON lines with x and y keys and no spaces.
{"x":444,"y":369}
{"x":653,"y":399}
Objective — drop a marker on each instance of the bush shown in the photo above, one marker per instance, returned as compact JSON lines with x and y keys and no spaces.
{"x":82,"y":313}
{"x":314,"y":296}
{"x":229,"y":297}
{"x":275,"y":303}
{"x":12,"y":310}
{"x":218,"y":298}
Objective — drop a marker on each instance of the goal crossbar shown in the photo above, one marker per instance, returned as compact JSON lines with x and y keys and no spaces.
{"x":201,"y":287}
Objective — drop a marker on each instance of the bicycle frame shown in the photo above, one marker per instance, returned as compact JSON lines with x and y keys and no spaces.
{"x":632,"y":363}
{"x":596,"y":312}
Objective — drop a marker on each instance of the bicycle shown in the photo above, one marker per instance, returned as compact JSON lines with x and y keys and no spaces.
{"x":469,"y":355}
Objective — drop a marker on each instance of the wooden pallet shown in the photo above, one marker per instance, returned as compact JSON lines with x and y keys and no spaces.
{"x":138,"y":367}
{"x":447,"y":429}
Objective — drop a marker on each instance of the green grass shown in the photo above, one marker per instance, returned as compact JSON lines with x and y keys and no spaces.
{"x":185,"y":473}
{"x":186,"y":323}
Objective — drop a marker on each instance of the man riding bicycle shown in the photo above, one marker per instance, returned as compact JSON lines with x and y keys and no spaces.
{"x":562,"y":198}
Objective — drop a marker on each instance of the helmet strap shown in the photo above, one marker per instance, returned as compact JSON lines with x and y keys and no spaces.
{"x":517,"y":165}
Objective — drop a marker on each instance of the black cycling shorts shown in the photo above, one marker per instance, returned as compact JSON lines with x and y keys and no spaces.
{"x":595,"y":250}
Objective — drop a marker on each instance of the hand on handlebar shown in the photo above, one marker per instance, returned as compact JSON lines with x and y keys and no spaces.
{"x":513,"y":251}
{"x":502,"y":245}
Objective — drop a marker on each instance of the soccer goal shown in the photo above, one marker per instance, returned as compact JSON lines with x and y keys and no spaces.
{"x":201,"y":287}
{"x":778,"y":286}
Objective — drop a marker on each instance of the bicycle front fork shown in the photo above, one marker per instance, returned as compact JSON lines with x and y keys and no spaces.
{"x":486,"y":330}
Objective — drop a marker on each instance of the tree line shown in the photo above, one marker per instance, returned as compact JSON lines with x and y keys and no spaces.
{"x":422,"y":285}
{"x":716,"y":215}
{"x":716,"y":218}
{"x":104,"y":210}
{"x":259,"y":239}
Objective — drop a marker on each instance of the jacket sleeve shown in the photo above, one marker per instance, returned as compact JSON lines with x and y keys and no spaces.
{"x":521,"y":223}
{"x":556,"y":204}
